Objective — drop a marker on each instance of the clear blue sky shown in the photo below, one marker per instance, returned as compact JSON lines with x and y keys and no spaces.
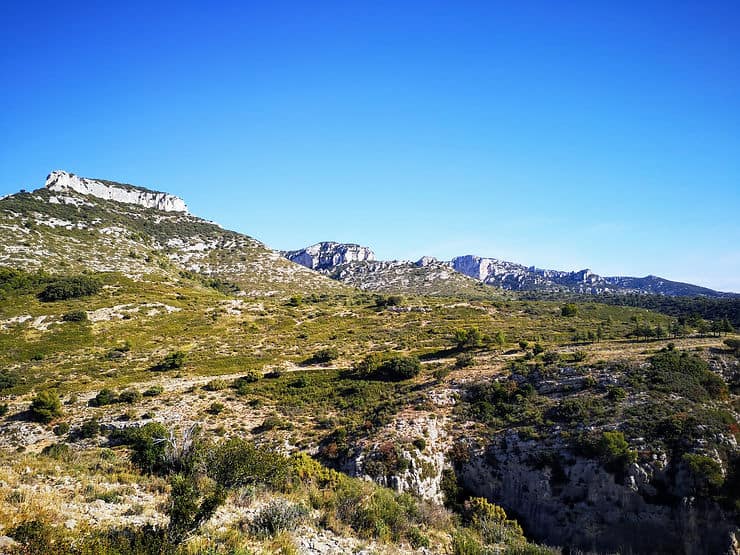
{"x":559,"y":134}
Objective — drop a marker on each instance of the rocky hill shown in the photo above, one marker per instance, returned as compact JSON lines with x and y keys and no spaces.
{"x":76,"y":223}
{"x":357,"y":266}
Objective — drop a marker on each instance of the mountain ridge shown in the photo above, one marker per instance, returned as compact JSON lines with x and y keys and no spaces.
{"x":504,"y":274}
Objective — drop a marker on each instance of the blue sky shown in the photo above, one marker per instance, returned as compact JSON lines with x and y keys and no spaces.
{"x":593,"y":134}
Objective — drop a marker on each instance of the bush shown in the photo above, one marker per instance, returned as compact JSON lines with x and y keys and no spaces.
{"x":104,"y":397}
{"x":172,"y":361}
{"x":611,"y":448}
{"x":148,"y":444}
{"x":706,"y":473}
{"x":215,"y":408}
{"x":277,"y":516}
{"x":7,"y":380}
{"x":130,"y":396}
{"x":685,"y":374}
{"x":569,"y":309}
{"x":393,"y":368}
{"x":238,"y":463}
{"x":75,"y":316}
{"x":46,"y":406}
{"x":463,"y":360}
{"x":323,"y":356}
{"x":70,"y":287}
{"x":58,"y":451}
{"x":215,"y":385}
{"x":4,"y":409}
{"x":153,"y":391}
{"x":467,"y":338}
{"x":61,"y":429}
{"x":615,"y":393}
{"x":89,"y":429}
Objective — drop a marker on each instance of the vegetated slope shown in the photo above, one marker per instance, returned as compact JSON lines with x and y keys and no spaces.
{"x":169,"y":404}
{"x":68,"y":231}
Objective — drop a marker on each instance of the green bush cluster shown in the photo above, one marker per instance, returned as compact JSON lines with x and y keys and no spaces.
{"x":75,"y":316}
{"x":685,"y":374}
{"x":387,"y":367}
{"x":172,"y":361}
{"x":70,"y":287}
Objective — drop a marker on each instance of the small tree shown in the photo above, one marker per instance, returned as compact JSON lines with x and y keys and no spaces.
{"x":499,"y":339}
{"x":570,"y":309}
{"x":46,"y":406}
{"x":172,"y":361}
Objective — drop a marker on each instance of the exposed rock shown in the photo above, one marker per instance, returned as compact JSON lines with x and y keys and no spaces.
{"x":61,"y":182}
{"x":326,"y":255}
{"x":356,"y":266}
{"x":565,"y":499}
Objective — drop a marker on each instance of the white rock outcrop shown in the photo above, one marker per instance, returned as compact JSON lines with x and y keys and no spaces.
{"x":328,"y":254}
{"x":62,"y":181}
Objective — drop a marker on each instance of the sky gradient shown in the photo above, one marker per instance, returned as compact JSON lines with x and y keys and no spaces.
{"x":599,"y":135}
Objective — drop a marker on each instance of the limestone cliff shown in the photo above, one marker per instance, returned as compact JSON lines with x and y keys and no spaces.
{"x":61,"y":181}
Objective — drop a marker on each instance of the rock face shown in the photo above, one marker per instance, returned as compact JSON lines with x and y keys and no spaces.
{"x":357,"y":266}
{"x":565,"y":499}
{"x":516,"y":277}
{"x":60,"y":181}
{"x":328,"y":255}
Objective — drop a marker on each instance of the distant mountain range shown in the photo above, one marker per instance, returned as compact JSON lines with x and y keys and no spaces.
{"x":357,"y":266}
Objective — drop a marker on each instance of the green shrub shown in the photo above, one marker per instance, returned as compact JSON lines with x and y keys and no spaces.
{"x":130,"y":396}
{"x":153,"y":391}
{"x":75,"y":316}
{"x":387,"y":367}
{"x":706,"y":473}
{"x":7,"y":380}
{"x":615,"y":393}
{"x":420,"y":443}
{"x":277,"y":516}
{"x":584,"y":409}
{"x":611,"y":448}
{"x":323,"y":356}
{"x":104,"y":397}
{"x":148,"y":445}
{"x":463,"y":360}
{"x":464,"y":542}
{"x":61,"y":429}
{"x":467,"y":338}
{"x":70,"y":287}
{"x":172,"y":361}
{"x":215,"y":385}
{"x":89,"y":429}
{"x":4,"y":409}
{"x":46,"y":406}
{"x":215,"y":408}
{"x":192,"y":502}
{"x":569,"y":309}
{"x":58,"y":451}
{"x":685,"y":374}
{"x":237,"y":463}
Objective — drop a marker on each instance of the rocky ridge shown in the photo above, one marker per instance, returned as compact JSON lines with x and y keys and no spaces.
{"x":75,"y":224}
{"x":350,"y":263}
{"x":60,"y":181}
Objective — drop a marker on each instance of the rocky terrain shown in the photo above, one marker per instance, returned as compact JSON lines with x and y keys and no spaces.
{"x":365,"y":272}
{"x":168,"y":386}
